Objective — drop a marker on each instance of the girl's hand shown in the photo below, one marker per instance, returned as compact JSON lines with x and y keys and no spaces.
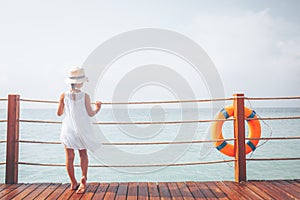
{"x":98,"y":105}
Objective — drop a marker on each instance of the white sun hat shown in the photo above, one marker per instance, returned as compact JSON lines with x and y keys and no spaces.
{"x":76,"y":75}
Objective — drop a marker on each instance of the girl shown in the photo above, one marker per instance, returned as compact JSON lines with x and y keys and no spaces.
{"x":77,"y":133}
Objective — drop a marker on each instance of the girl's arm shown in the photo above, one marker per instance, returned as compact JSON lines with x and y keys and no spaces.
{"x":61,"y":105}
{"x":89,"y":108}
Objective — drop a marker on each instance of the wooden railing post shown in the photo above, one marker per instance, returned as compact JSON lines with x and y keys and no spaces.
{"x":12,"y":145}
{"x":239,"y":134}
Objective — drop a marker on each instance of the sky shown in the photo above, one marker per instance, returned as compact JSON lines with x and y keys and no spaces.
{"x":255,"y":45}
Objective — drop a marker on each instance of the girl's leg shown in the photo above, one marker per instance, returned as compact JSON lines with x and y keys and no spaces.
{"x":84,"y":168}
{"x":84,"y":161}
{"x":70,"y":167}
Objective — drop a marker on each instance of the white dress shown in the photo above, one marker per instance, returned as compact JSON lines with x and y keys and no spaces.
{"x":77,"y":132}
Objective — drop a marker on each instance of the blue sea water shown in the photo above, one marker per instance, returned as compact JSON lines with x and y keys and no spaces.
{"x":54,"y":153}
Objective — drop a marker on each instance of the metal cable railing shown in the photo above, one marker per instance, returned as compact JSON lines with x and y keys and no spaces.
{"x":134,"y":165}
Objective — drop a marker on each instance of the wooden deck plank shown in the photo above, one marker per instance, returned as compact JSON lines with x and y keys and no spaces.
{"x":228,"y":191}
{"x":266,"y":187}
{"x":280,"y":189}
{"x":288,"y":190}
{"x":51,"y":188}
{"x":3,"y":186}
{"x":216,"y":190}
{"x":132,"y":191}
{"x":27,"y":191}
{"x":153,"y":191}
{"x":288,"y":186}
{"x":195,"y":190}
{"x":122,"y":191}
{"x":206,"y":191}
{"x":163,"y":191}
{"x":60,"y":190}
{"x":16,"y":191}
{"x":247,"y":193}
{"x":9,"y":189}
{"x":63,"y":192}
{"x":295,"y":183}
{"x":111,"y":191}
{"x":75,"y":196}
{"x":143,"y":191}
{"x":37,"y":191}
{"x":174,"y":191}
{"x":90,"y":192}
{"x":101,"y":190}
{"x":258,"y":191}
{"x":243,"y":192}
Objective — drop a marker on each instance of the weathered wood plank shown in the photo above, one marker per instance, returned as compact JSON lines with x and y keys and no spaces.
{"x":282,"y":185}
{"x":27,"y":191}
{"x":153,"y":191}
{"x":163,"y":190}
{"x":231,"y":185}
{"x":143,"y":191}
{"x":101,"y":190}
{"x":79,"y":196}
{"x":111,"y":191}
{"x":244,"y":190}
{"x":266,"y":187}
{"x":205,"y":190}
{"x":195,"y":190}
{"x":132,"y":191}
{"x":228,"y":191}
{"x":37,"y":191}
{"x":216,"y":190}
{"x":90,"y":192}
{"x":51,"y":188}
{"x":63,"y":192}
{"x":122,"y":191}
{"x":294,"y":183}
{"x":3,"y":186}
{"x":258,"y":191}
{"x":289,"y":186}
{"x":280,"y":189}
{"x":59,"y":190}
{"x":174,"y":191}
{"x":16,"y":191}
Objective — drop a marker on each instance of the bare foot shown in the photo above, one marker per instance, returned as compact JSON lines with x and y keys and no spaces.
{"x":82,"y":186}
{"x":74,"y":186}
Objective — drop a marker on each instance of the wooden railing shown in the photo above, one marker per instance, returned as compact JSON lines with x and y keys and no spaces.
{"x":13,"y":120}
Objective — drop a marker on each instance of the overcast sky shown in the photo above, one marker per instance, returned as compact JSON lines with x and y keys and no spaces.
{"x":255,"y":45}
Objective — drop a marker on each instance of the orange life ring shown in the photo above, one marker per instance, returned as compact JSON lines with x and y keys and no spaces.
{"x":254,"y":131}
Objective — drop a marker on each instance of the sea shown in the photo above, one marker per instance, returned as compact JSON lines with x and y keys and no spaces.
{"x":160,"y":154}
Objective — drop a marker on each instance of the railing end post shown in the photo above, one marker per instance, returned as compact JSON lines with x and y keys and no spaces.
{"x":12,"y":144}
{"x":239,"y":134}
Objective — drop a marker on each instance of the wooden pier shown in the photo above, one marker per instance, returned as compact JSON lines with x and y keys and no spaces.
{"x":285,"y":189}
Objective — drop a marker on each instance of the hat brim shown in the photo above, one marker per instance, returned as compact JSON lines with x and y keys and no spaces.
{"x":76,"y":81}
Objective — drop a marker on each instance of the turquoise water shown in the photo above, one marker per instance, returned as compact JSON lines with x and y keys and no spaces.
{"x":47,"y":153}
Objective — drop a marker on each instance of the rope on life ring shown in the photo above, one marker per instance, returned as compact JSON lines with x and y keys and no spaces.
{"x":254,"y":131}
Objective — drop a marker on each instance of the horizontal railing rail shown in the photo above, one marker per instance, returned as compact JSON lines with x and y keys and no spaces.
{"x":135,"y":165}
{"x":138,"y":143}
{"x":239,"y":160}
{"x":165,"y":142}
{"x":127,"y":123}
